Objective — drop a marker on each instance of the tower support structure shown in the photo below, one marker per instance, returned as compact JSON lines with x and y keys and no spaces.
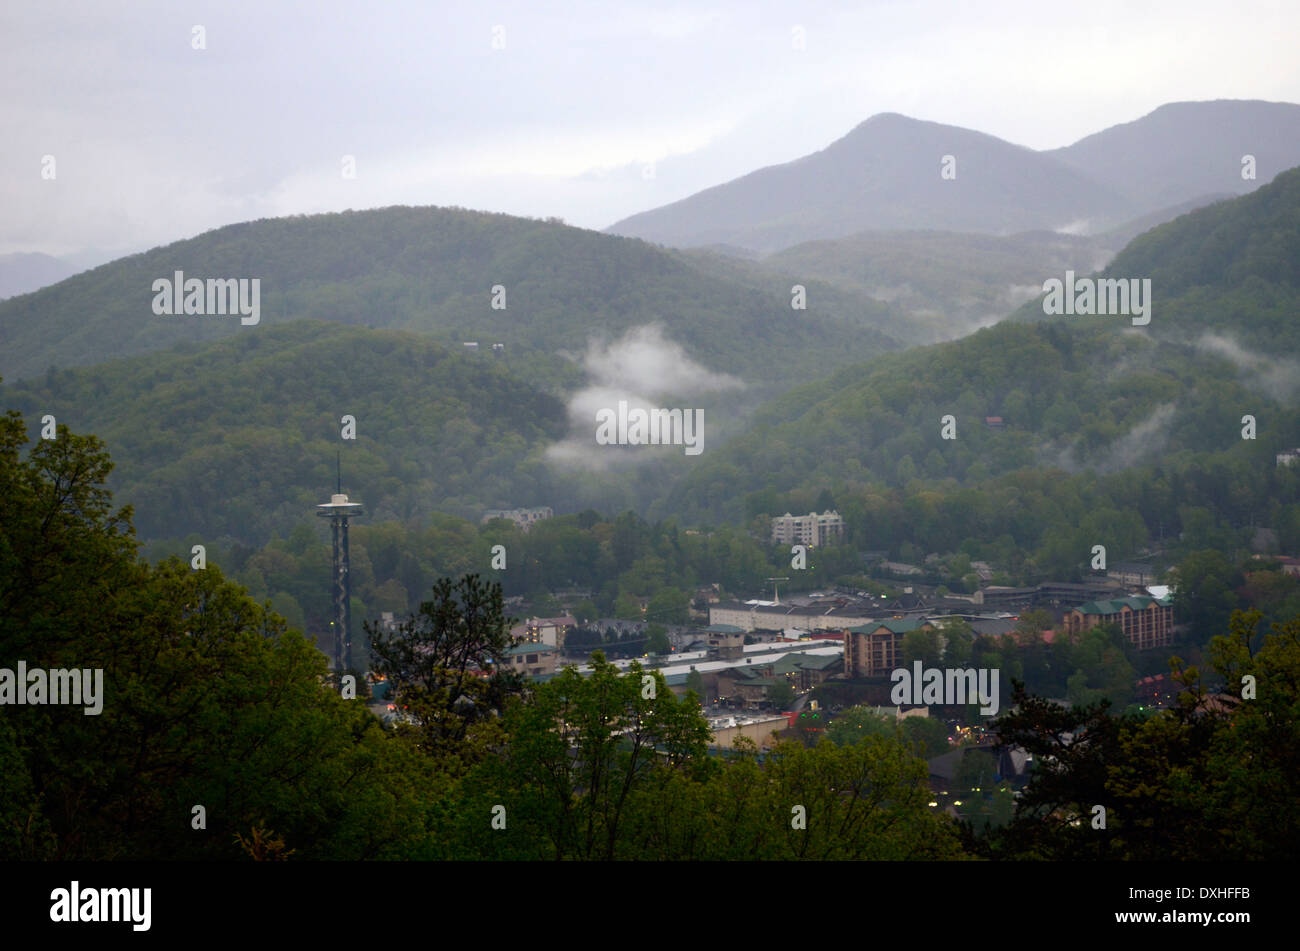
{"x":339,"y":509}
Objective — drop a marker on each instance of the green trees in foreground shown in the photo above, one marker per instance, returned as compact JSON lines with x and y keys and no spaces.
{"x":1212,"y":778}
{"x":221,"y":734}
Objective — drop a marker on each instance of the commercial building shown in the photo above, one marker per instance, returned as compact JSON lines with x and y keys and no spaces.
{"x":769,"y":616}
{"x":1147,"y":622}
{"x":1133,"y":574}
{"x":873,"y":650}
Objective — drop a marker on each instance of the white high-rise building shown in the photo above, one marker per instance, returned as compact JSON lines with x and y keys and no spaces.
{"x":812,"y":529}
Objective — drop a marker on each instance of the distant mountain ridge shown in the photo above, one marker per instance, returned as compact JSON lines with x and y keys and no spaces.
{"x":433,"y":270}
{"x":1186,"y":149}
{"x":885,"y":175}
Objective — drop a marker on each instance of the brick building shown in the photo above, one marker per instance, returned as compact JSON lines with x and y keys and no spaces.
{"x":872,"y":650}
{"x":1146,"y":621}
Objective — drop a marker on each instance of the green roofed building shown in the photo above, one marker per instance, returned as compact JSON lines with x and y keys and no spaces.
{"x":532,"y":660}
{"x":1146,"y":621}
{"x":872,"y":650}
{"x":805,"y":671}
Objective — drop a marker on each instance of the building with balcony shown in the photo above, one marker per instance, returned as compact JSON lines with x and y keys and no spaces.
{"x":812,"y":529}
{"x":1146,"y":621}
{"x":874,"y":649}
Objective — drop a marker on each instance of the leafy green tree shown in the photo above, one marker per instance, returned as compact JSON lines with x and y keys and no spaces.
{"x":669,"y":606}
{"x":657,"y":639}
{"x":434,"y":660}
{"x":928,"y":735}
{"x":957,"y":636}
{"x":1203,"y":594}
{"x":863,"y":801}
{"x":923,"y":645}
{"x":781,"y":695}
{"x":1031,"y":624}
{"x":975,"y":771}
{"x":854,"y":724}
{"x":695,"y":682}
{"x":579,"y":751}
{"x":206,"y":697}
{"x":626,"y":608}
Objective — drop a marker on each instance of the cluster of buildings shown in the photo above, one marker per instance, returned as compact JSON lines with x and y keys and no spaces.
{"x":872,"y":629}
{"x":751,"y":647}
{"x":524,"y":518}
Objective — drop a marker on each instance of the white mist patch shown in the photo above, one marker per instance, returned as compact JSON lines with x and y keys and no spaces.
{"x":1143,"y":440}
{"x":632,"y":377}
{"x":1078,"y":227}
{"x":1275,"y":377}
{"x":645,"y":361}
{"x":1017,"y":294}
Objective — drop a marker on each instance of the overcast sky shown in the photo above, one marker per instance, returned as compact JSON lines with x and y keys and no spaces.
{"x":154,"y":140}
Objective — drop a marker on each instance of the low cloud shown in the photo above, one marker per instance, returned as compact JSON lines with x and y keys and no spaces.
{"x":1144,"y":440}
{"x":1275,"y":377}
{"x":646,"y":370}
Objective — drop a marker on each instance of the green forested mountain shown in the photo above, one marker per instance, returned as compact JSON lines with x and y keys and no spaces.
{"x":1069,"y":397}
{"x":1232,"y":268}
{"x":1073,"y":393}
{"x":1066,"y":431}
{"x":432,"y":270}
{"x":238,"y":438}
{"x":1229,"y":269}
{"x":948,"y":283}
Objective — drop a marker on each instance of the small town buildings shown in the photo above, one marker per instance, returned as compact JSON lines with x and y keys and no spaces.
{"x":524,"y":518}
{"x":745,"y":686}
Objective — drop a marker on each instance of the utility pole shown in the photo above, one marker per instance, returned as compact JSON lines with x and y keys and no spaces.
{"x":776,"y":596}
